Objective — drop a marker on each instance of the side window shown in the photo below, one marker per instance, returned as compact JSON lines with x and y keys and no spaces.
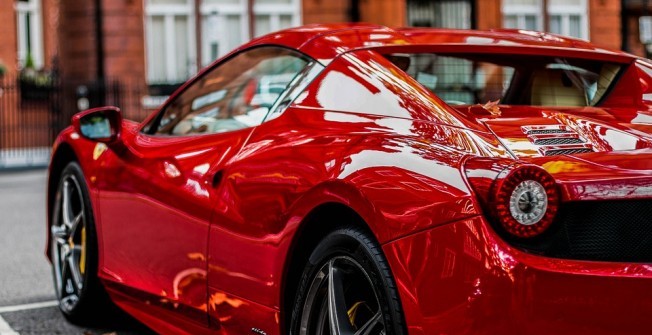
{"x":235,"y":95}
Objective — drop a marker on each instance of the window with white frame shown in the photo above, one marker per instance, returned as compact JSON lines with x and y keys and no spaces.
{"x":171,"y":51}
{"x":523,"y":14}
{"x":565,"y":17}
{"x":29,"y":33}
{"x":225,"y":23}
{"x":171,"y":36}
{"x":568,"y":17}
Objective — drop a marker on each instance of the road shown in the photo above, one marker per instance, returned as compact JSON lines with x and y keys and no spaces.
{"x":27,"y":301}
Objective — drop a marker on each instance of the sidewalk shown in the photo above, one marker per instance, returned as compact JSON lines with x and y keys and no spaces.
{"x":24,"y":158}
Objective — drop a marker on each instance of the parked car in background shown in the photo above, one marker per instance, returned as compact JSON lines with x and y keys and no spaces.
{"x":356,"y":179}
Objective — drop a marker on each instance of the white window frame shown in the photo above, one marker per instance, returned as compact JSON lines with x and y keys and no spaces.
{"x":169,"y":12}
{"x":275,"y":11}
{"x":214,"y":11}
{"x":33,"y":8}
{"x":521,"y":11}
{"x":220,"y":12}
{"x":565,"y":11}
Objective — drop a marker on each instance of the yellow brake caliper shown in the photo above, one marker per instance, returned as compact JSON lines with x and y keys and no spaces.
{"x":353,"y":311}
{"x":82,"y":258}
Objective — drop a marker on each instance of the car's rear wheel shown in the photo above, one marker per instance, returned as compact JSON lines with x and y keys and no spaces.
{"x":73,"y":250}
{"x":347,"y":288}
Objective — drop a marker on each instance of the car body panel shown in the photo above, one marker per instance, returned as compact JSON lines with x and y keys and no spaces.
{"x":475,"y":283}
{"x":196,"y":233}
{"x":156,"y":204}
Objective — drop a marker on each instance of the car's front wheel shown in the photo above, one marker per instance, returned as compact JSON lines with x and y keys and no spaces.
{"x":73,"y":250}
{"x":347,"y":288}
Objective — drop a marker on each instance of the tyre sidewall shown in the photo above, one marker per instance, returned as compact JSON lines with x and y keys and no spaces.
{"x":92,"y":291}
{"x":363,"y":249}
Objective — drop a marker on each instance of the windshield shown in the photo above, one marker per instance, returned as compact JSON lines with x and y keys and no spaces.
{"x":466,"y":79}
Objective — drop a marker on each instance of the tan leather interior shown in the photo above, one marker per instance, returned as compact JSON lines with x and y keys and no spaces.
{"x":607,"y":75}
{"x":552,"y":88}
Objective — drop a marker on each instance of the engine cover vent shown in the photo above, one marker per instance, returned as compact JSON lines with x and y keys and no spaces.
{"x":558,"y":141}
{"x":569,"y":151}
{"x":547,"y":131}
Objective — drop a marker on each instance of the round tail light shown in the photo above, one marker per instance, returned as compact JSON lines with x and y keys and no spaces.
{"x":526,"y":201}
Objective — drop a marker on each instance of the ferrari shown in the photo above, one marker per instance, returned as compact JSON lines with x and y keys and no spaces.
{"x":357,"y":179}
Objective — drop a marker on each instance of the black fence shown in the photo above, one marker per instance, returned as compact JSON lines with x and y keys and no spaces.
{"x":34,"y":111}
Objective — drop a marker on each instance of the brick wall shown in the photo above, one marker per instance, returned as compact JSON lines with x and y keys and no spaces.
{"x":8,"y":35}
{"x":324,"y":11}
{"x":386,"y":12}
{"x":391,"y":13}
{"x":633,"y":39}
{"x":50,"y":15}
{"x":604,"y":23}
{"x":77,"y":54}
{"x":488,"y":14}
{"x":124,"y":39}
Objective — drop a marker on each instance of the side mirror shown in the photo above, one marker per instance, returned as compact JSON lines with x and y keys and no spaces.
{"x":99,"y":124}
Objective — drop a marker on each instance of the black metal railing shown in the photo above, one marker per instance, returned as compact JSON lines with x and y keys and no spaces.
{"x":32,"y":113}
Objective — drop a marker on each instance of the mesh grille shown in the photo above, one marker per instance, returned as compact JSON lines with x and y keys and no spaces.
{"x":615,"y":231}
{"x":555,"y":152}
{"x":558,"y":141}
{"x":547,"y":131}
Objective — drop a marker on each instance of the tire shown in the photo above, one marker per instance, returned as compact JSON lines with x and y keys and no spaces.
{"x":74,"y":251}
{"x":347,"y":277}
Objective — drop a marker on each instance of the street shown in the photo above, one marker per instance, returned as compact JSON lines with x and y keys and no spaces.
{"x":27,"y":300}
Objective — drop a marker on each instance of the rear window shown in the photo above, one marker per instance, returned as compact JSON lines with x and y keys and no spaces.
{"x":466,"y":79}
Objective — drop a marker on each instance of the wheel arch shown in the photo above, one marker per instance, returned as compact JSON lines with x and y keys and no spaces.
{"x":321,"y":220}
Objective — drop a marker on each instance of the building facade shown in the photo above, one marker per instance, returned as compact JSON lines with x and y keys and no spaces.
{"x":161,"y":43}
{"x":28,"y":34}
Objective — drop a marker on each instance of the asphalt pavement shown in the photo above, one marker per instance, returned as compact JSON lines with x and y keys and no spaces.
{"x":27,"y":300}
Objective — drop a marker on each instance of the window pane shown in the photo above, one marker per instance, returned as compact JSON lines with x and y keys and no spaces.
{"x":530,"y":22}
{"x":564,"y":2}
{"x":235,"y":95}
{"x":511,"y":21}
{"x":168,"y":2}
{"x":263,"y":25}
{"x":210,"y":38}
{"x":285,"y":21}
{"x":156,"y":50}
{"x":528,"y":80}
{"x":184,"y":61}
{"x":555,"y":24}
{"x":233,"y":32}
{"x":575,"y":26}
{"x":225,"y":1}
{"x":522,"y":2}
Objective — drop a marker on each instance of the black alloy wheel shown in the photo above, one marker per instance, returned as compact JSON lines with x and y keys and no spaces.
{"x":347,"y":289}
{"x":74,"y":252}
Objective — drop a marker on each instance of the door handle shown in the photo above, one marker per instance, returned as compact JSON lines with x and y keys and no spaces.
{"x":217,"y":178}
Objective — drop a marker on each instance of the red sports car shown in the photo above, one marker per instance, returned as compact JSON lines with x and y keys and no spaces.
{"x":356,"y":179}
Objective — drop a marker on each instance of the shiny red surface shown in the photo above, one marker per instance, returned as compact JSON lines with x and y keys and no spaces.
{"x":463,"y":279}
{"x":196,"y":233}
